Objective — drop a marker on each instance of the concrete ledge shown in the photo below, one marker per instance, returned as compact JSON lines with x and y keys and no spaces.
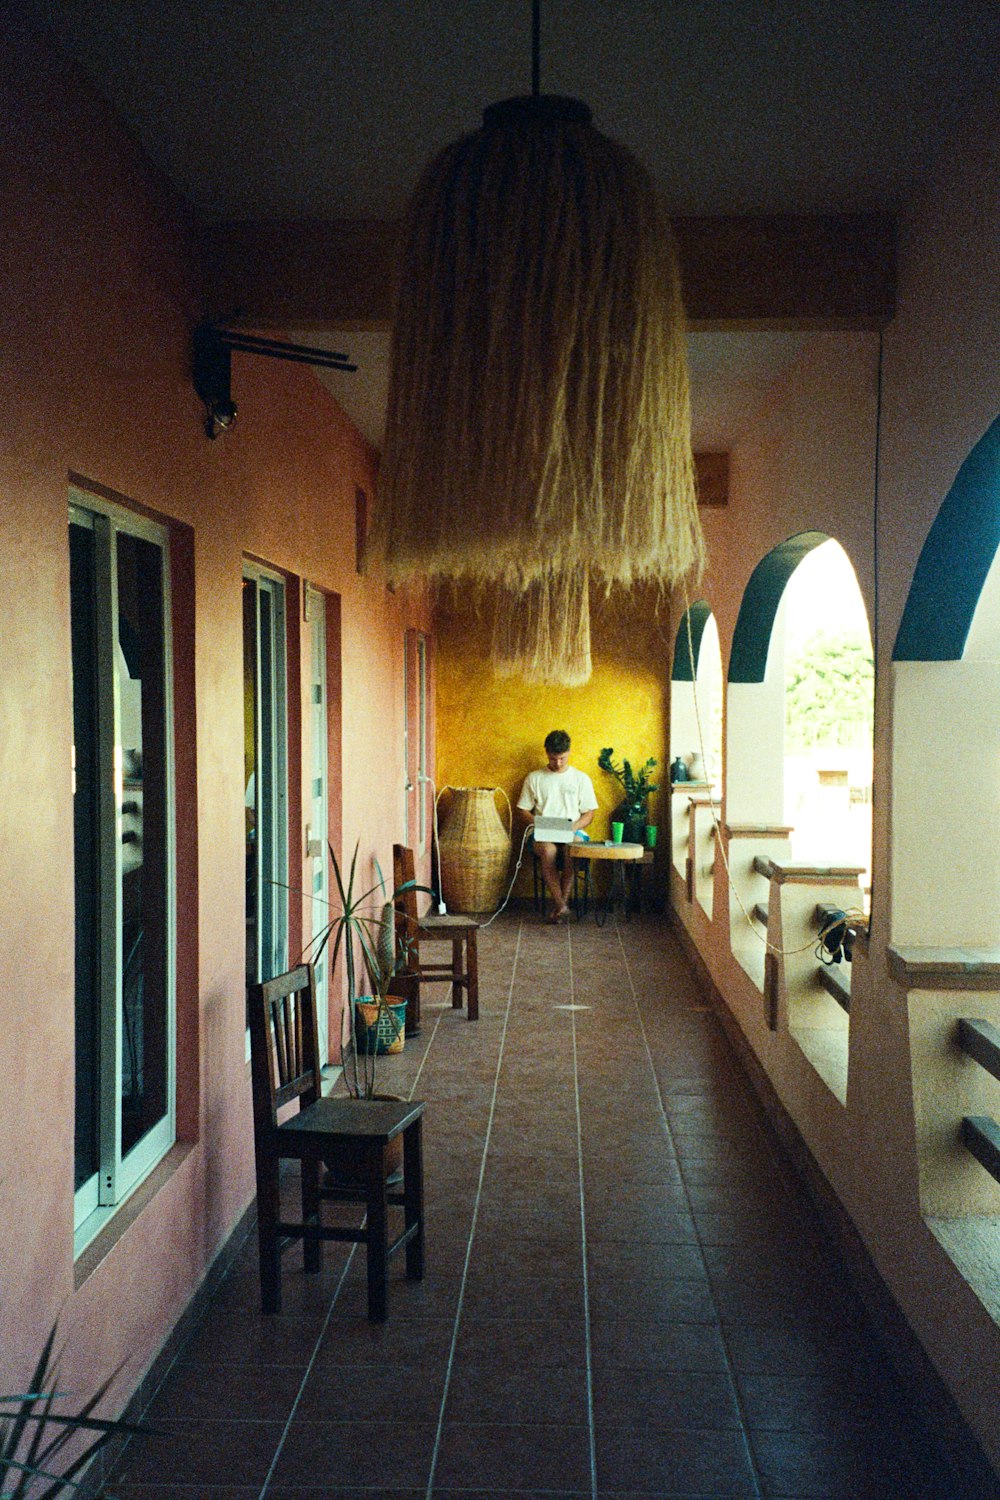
{"x":917,"y":968}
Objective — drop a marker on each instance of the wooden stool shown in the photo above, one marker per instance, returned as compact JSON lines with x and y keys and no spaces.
{"x":411,"y":930}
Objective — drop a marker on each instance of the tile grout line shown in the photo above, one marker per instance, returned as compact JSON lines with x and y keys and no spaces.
{"x":472,"y":1227}
{"x":592,"y":1437}
{"x":333,"y":1303}
{"x":730,"y":1370}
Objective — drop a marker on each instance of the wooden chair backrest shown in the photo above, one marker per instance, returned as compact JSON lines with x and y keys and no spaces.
{"x":284,"y":1043}
{"x":408,"y":922}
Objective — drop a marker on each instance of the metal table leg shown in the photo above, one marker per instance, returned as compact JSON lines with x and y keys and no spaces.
{"x":616,"y":890}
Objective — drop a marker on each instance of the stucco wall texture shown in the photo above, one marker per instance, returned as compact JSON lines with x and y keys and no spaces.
{"x":101,"y":295}
{"x":808,"y":461}
{"x":491,"y":729}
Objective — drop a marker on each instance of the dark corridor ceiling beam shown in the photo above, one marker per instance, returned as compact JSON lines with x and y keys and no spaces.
{"x":785,"y":272}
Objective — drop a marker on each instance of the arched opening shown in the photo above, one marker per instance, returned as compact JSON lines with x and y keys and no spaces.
{"x":829,"y":674}
{"x":696,"y":748}
{"x":798,"y":784}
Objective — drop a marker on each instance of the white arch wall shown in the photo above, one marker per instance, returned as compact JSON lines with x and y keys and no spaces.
{"x":684,"y":727}
{"x":946,"y":804}
{"x":755,"y":739}
{"x":807,"y":462}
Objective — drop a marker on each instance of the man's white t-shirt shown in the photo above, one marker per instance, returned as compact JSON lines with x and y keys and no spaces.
{"x":558,"y":794}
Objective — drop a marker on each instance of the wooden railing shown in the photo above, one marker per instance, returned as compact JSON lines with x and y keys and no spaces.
{"x":952,"y":999}
{"x":750,"y":875}
{"x":836,"y":932}
{"x":981,"y":1134}
{"x":698,"y":869}
{"x":836,"y":983}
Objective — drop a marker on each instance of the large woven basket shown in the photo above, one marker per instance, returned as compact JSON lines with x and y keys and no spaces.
{"x":475,"y":849}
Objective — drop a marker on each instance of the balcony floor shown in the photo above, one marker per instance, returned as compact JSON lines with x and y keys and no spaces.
{"x":627,"y":1292}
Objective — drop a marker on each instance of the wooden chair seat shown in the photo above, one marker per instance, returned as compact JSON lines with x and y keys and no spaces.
{"x":462,"y":973}
{"x":348,"y":1138}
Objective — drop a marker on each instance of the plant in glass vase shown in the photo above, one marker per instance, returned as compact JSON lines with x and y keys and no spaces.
{"x":633,"y":810}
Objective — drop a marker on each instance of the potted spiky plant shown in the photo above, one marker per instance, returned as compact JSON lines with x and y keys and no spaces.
{"x":34,"y":1434}
{"x":376,"y":1018}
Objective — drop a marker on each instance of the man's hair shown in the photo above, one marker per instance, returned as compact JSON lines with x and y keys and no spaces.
{"x":556,"y":742}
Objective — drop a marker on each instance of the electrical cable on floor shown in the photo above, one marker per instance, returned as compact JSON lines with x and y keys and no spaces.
{"x":513,"y":881}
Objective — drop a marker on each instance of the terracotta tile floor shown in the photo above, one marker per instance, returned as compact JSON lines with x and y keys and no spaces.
{"x":627,"y":1294}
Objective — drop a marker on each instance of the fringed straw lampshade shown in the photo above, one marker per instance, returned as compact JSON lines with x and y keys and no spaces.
{"x":538,"y":419}
{"x":541,"y":633}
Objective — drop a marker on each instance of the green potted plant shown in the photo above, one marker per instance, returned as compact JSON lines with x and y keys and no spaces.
{"x":633,"y":810}
{"x":33,"y":1434}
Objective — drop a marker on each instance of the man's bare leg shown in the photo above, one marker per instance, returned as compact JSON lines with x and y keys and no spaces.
{"x":567,"y":879}
{"x":550,"y":874}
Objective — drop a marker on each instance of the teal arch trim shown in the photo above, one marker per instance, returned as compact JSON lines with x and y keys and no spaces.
{"x":684,"y":669}
{"x":752,"y":637}
{"x":954,"y":560}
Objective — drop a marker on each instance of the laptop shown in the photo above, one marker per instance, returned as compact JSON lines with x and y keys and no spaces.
{"x":554,"y":830}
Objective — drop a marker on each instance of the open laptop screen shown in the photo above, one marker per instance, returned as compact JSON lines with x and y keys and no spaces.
{"x":553,"y":830}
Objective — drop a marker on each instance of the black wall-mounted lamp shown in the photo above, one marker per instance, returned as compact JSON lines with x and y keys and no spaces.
{"x":211,"y":367}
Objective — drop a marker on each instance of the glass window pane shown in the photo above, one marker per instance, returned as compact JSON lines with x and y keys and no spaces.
{"x":85,"y":849}
{"x":144,"y":863}
{"x":267,"y":788}
{"x":250,"y":773}
{"x":422,"y":749}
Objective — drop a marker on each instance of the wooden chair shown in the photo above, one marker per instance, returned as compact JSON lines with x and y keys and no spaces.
{"x":346,"y":1135}
{"x":412,"y":930}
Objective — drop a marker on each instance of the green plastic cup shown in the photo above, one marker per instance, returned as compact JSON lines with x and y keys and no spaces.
{"x":650,"y":835}
{"x":617,"y":829}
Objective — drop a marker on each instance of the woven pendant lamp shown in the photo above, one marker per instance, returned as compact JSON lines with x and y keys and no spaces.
{"x":541,"y":633}
{"x":538,"y":417}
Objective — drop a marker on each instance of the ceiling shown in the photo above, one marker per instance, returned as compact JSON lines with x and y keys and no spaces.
{"x":730,"y":373}
{"x":322,"y":109}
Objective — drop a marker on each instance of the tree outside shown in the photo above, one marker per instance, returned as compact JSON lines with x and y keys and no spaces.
{"x":829,"y":693}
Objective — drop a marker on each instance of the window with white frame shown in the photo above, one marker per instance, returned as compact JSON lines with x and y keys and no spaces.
{"x":123,"y":853}
{"x":417,"y":782}
{"x":265,"y":773}
{"x":422,"y":739}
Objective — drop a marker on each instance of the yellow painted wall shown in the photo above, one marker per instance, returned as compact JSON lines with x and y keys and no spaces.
{"x":490,"y":730}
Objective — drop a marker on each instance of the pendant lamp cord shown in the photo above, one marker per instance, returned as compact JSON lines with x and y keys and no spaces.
{"x":536,"y":32}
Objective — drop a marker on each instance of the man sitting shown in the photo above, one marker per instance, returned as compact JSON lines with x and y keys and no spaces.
{"x":559,"y":791}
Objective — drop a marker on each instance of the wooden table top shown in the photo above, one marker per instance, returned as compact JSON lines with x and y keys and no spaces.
{"x":595,"y":850}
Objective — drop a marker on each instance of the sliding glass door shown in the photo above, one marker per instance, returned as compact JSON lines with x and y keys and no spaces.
{"x":123,"y":850}
{"x":265,"y":764}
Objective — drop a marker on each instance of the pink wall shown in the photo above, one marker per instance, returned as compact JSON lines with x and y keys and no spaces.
{"x":101,"y":294}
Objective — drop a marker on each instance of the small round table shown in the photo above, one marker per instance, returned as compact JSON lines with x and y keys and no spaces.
{"x":624,"y":855}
